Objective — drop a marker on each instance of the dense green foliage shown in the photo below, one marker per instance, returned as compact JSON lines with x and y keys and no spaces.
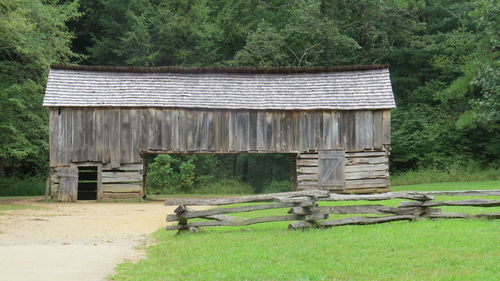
{"x":421,"y":250}
{"x":33,"y":35}
{"x":443,"y":54}
{"x":169,"y":174}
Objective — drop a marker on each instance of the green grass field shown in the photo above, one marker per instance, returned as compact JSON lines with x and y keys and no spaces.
{"x":422,"y":250}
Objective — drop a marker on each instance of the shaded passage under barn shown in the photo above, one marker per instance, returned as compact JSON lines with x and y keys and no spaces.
{"x":104,"y":121}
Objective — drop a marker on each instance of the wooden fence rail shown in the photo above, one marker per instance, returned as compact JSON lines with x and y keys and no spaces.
{"x":306,"y":213}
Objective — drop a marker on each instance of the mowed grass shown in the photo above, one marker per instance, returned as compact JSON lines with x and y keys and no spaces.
{"x":451,"y":249}
{"x":481,"y":185}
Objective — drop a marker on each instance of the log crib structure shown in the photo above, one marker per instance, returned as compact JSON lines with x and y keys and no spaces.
{"x":105,"y":121}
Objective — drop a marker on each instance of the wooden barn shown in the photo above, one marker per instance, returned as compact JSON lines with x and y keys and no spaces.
{"x":105,"y":120}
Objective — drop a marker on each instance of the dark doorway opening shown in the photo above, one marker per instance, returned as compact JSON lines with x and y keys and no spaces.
{"x":87,"y":183}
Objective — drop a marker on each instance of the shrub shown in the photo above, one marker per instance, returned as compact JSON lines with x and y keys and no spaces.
{"x":13,"y":186}
{"x":168,"y":175}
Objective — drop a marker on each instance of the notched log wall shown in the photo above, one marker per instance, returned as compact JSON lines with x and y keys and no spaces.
{"x":126,"y":182}
{"x":364,"y":172}
{"x":123,"y":183}
{"x":367,"y":172}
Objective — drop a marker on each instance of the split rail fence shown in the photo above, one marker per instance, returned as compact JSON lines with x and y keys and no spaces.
{"x":306,"y":213}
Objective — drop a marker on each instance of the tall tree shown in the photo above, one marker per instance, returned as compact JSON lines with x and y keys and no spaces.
{"x":151,"y":33}
{"x":303,"y":37}
{"x":443,"y":56}
{"x":33,"y":35}
{"x":460,"y":82}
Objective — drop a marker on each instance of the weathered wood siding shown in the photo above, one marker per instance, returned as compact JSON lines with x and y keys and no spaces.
{"x":68,"y":182}
{"x":122,"y":183}
{"x":307,"y":171}
{"x":118,"y":136}
{"x":367,"y":172}
{"x":358,"y":172}
{"x":113,"y":183}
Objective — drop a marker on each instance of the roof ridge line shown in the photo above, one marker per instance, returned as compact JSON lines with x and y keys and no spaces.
{"x":220,"y":69}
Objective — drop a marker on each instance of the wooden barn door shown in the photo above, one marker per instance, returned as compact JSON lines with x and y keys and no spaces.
{"x":332,"y":170}
{"x":68,"y":185}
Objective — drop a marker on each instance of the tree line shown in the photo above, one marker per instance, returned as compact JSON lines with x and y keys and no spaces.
{"x":443,"y":57}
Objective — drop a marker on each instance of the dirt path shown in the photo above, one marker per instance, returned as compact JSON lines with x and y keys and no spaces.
{"x":73,"y":241}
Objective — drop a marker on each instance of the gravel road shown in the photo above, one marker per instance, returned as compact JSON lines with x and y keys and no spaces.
{"x":73,"y":241}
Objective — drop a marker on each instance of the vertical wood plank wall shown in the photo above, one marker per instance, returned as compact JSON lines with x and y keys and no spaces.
{"x":119,"y":135}
{"x":115,"y":138}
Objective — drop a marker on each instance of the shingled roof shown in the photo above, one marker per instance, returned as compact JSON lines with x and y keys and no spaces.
{"x":342,"y":88}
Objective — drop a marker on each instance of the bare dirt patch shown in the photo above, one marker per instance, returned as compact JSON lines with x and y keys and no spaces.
{"x":73,"y":241}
